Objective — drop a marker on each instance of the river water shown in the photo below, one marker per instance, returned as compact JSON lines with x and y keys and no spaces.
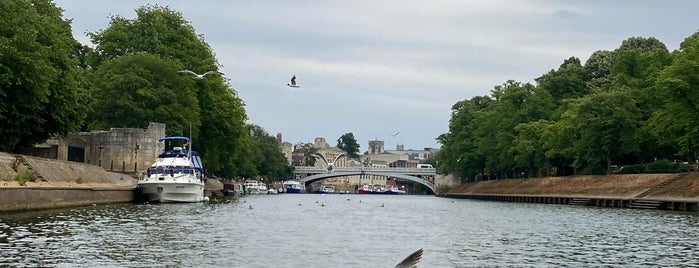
{"x":310,"y":230}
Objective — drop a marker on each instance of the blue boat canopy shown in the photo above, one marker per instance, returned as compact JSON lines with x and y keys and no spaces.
{"x":174,"y":138}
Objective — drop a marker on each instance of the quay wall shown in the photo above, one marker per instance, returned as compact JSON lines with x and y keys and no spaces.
{"x":679,"y":191}
{"x":59,"y":183}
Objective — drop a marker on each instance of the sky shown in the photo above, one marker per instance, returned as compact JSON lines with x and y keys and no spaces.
{"x":377,"y":68}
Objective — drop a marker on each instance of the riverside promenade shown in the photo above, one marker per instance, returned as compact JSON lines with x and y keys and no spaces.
{"x":675,"y":191}
{"x":58,"y":184}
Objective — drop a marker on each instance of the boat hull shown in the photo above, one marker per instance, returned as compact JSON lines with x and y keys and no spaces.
{"x":172,"y":192}
{"x":294,"y":191}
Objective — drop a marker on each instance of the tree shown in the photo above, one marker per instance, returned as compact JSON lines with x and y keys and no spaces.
{"x":347,"y":143}
{"x":267,"y":155}
{"x":458,"y":153}
{"x":308,"y":152}
{"x":222,"y":139}
{"x":132,"y":90}
{"x":604,"y":127}
{"x":566,"y":82}
{"x":40,"y":80}
{"x":516,"y":103}
{"x":597,"y":69}
{"x":677,"y":122}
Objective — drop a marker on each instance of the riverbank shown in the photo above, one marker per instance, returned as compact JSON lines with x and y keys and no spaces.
{"x":50,"y":183}
{"x":662,"y":191}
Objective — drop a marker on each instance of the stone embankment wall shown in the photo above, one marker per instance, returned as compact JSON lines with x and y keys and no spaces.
{"x":663,"y":191}
{"x":59,"y":184}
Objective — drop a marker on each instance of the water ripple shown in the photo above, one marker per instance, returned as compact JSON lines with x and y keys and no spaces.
{"x":348,"y":231}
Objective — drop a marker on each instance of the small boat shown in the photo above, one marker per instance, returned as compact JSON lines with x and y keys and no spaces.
{"x":252,"y":187}
{"x":272,"y":191}
{"x":177,"y":174}
{"x":293,"y":187}
{"x":394,"y":190}
{"x":233,"y":189}
{"x":325,"y":189}
{"x":379,"y":189}
{"x":262,"y":188}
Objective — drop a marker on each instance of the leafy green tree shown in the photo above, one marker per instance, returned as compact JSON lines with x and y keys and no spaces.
{"x":349,"y":144}
{"x":223,"y":139}
{"x":597,"y":69}
{"x":528,"y":145}
{"x":458,"y":153}
{"x":267,"y":155}
{"x":41,"y":94}
{"x":132,"y":90}
{"x":308,"y":151}
{"x":566,"y":82}
{"x":677,"y":122}
{"x":635,"y":68}
{"x":604,"y":126}
{"x":495,"y":127}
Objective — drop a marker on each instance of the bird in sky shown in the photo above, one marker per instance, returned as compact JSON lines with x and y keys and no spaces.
{"x":200,"y":76}
{"x":411,"y":261}
{"x":293,"y":82}
{"x":394,"y":135}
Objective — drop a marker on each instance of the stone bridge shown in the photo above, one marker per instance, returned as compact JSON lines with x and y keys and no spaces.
{"x":424,"y":176}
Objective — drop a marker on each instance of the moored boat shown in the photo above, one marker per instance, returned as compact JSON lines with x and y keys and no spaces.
{"x":293,"y":187}
{"x":252,"y":187}
{"x":233,"y":189}
{"x":177,"y":175}
{"x":379,"y":189}
{"x":325,"y":189}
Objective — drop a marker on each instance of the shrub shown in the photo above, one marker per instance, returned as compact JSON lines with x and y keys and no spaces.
{"x":25,"y":176}
{"x":633,"y":169}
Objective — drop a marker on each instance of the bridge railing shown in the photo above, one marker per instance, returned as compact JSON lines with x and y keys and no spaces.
{"x":301,"y":169}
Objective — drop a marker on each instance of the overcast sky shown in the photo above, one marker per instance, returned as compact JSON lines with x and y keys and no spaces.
{"x":375,"y":68}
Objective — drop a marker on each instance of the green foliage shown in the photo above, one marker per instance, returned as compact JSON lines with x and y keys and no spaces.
{"x":663,"y":166}
{"x":349,"y":144}
{"x":634,"y":169}
{"x":133,"y":90}
{"x":40,"y":90}
{"x":267,"y":155}
{"x":626,"y":106}
{"x":566,"y":82}
{"x":25,"y":176}
{"x":216,"y":115}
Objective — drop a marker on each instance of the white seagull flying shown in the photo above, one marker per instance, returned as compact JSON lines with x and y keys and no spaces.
{"x":394,"y":135}
{"x":200,"y":76}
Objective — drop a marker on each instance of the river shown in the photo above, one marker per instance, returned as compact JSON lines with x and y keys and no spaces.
{"x":311,"y":230}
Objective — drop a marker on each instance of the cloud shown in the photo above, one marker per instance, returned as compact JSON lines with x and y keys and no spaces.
{"x":376,"y":67}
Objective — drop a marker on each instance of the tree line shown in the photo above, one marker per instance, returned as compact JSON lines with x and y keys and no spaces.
{"x":52,"y":85}
{"x":635,"y":106}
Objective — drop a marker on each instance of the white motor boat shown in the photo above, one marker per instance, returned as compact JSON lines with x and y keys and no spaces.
{"x":176,"y":176}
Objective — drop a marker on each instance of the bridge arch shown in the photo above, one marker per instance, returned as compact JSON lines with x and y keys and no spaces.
{"x":318,"y":177}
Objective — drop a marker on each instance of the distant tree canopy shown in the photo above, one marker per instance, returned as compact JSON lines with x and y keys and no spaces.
{"x":41,"y":89}
{"x":632,"y":105}
{"x":349,"y":144}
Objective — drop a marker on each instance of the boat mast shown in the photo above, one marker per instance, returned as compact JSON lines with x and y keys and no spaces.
{"x":189,"y":150}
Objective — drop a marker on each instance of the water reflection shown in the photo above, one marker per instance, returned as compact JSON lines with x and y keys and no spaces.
{"x":347,"y":231}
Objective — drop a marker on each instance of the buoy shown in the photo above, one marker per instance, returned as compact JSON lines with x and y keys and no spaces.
{"x":250,"y":207}
{"x":206,"y":199}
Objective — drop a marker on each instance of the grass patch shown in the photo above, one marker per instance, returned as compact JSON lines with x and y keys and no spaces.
{"x":25,"y":176}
